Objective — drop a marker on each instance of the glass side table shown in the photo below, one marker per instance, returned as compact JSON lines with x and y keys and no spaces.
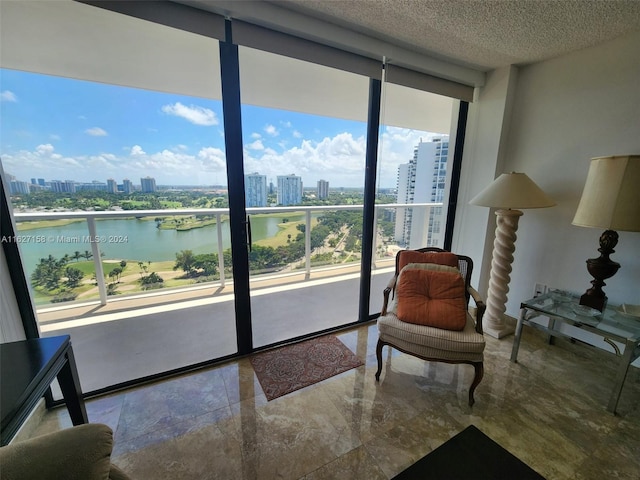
{"x":620,"y":331}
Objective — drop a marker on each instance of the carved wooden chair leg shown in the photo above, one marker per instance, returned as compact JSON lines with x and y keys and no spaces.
{"x":479,"y":368}
{"x":379,"y":357}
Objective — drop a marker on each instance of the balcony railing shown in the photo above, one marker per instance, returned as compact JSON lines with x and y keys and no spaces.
{"x":95,"y":239}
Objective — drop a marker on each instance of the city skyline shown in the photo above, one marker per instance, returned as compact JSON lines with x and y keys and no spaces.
{"x":54,"y":125}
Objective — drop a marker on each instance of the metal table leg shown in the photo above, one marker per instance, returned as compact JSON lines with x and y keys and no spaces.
{"x":518,"y":335}
{"x":625,"y":360}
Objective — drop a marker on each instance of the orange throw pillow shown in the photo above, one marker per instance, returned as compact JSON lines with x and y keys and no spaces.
{"x":431,"y":298}
{"x":441,"y":258}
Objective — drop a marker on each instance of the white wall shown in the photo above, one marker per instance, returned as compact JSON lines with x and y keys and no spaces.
{"x":483,"y":160}
{"x":565,"y":112}
{"x":548,"y":120}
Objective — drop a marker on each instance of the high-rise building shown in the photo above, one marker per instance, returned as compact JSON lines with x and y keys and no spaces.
{"x":289,"y":190}
{"x":127,"y":186}
{"x":255,"y":190}
{"x":68,"y":186}
{"x":41,"y":182}
{"x":33,"y":181}
{"x":17,"y":187}
{"x":94,"y":185}
{"x":422,"y":180}
{"x":112,"y":186}
{"x":323,"y":189}
{"x":148,"y":184}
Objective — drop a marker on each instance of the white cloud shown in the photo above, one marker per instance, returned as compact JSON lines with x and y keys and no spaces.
{"x":296,"y":134}
{"x":271,"y":130}
{"x":8,"y":96}
{"x":96,"y":132}
{"x":193,"y":113}
{"x":286,"y":124}
{"x":339,"y":159}
{"x":53,"y":136}
{"x":137,"y":150}
{"x":213,"y":159}
{"x":257,"y":145}
{"x":45,"y":150}
{"x":256,"y":135}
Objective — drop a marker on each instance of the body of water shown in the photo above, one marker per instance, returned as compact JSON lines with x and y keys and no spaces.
{"x":133,"y":239}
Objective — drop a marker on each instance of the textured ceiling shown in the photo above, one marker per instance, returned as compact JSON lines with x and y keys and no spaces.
{"x":483,"y":34}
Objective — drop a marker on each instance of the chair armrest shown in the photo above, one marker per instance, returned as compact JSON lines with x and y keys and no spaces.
{"x":480,"y":307}
{"x":390,"y":288}
{"x":77,"y":453}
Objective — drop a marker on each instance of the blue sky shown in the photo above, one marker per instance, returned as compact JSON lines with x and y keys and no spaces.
{"x":58,"y":128}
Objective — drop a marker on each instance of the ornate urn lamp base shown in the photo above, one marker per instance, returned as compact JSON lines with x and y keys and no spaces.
{"x":600,"y":269}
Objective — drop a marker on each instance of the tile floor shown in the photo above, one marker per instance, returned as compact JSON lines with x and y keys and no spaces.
{"x":549,"y":410}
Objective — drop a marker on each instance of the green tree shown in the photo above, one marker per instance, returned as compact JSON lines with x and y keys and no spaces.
{"x":74,"y":276}
{"x":48,"y":273}
{"x":143,"y":269}
{"x":123,"y":264}
{"x":207,"y":263}
{"x":153,"y":280}
{"x":115,"y":273}
{"x":77,"y":255}
{"x":185,"y":260}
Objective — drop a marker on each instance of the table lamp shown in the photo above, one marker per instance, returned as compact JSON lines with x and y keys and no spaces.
{"x":508,"y":192}
{"x":610,"y":200}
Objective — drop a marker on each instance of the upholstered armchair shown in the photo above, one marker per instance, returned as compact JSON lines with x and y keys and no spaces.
{"x":77,"y":453}
{"x":426,"y":311}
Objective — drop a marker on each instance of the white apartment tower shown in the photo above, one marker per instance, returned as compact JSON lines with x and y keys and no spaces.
{"x":112,"y":186}
{"x":422,"y":180}
{"x":127,"y":186}
{"x":289,"y":190}
{"x":148,"y":184}
{"x":323,"y":189}
{"x":255,"y":190}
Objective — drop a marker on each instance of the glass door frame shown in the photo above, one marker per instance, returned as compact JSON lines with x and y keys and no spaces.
{"x":238,"y":222}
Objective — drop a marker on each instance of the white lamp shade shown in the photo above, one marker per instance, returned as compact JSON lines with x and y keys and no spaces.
{"x":513,"y":190}
{"x":611,"y":195}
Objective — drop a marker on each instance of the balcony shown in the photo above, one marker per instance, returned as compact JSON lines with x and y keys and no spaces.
{"x":125,"y":333}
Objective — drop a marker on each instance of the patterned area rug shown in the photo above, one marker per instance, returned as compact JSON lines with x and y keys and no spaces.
{"x":290,"y":368}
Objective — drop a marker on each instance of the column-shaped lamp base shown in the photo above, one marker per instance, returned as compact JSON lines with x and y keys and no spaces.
{"x":503,"y":247}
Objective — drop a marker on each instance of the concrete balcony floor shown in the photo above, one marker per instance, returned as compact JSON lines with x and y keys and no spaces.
{"x":134,"y":337}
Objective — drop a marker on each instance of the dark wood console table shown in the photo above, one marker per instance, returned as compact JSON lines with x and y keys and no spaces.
{"x":27,"y":369}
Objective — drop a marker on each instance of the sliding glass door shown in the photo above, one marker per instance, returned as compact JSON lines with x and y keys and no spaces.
{"x":417,"y":138}
{"x":304,"y":130}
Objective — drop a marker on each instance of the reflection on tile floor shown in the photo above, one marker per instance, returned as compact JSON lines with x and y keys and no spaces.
{"x":548,"y":410}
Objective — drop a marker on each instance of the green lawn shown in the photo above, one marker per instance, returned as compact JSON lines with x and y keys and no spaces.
{"x":24,"y":226}
{"x":288,"y":228}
